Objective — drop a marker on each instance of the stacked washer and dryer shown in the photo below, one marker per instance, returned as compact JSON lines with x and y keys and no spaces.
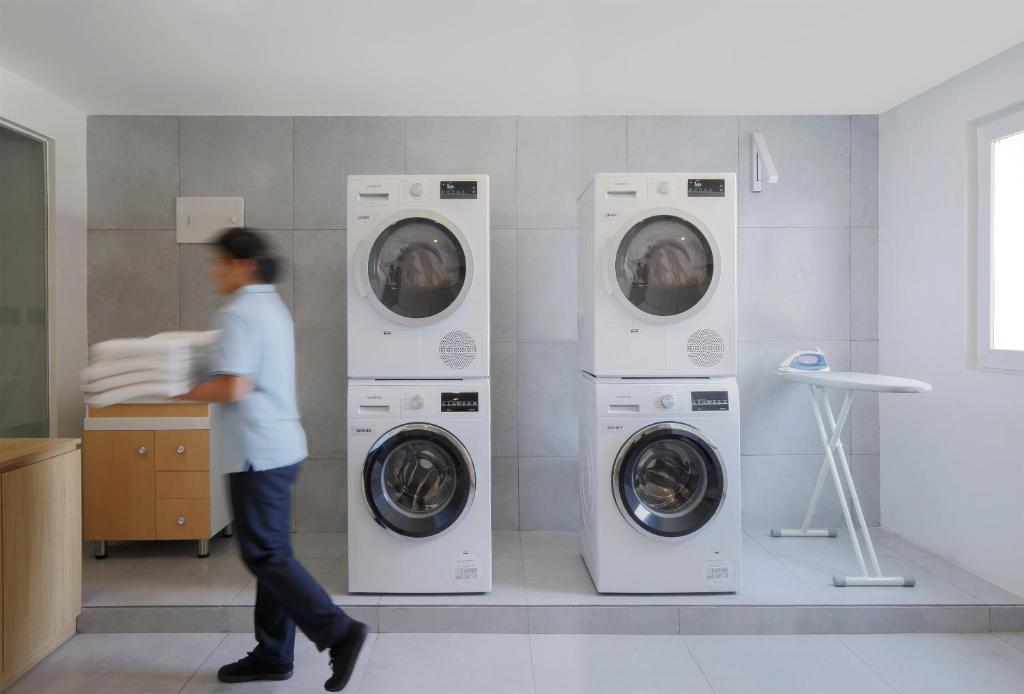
{"x":659,"y":405}
{"x":419,"y":439}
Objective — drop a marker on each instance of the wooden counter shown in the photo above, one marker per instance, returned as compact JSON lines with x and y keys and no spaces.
{"x":40,"y":549}
{"x":15,"y":453}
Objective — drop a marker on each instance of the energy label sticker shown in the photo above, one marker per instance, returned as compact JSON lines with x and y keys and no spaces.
{"x":466,"y":569}
{"x":718,"y":571}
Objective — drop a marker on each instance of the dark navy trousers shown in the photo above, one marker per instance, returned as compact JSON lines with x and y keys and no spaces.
{"x":286,"y":594}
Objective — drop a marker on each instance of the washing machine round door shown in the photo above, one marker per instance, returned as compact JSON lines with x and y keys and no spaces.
{"x":419,"y":269}
{"x":668,"y":480}
{"x":418,"y":480}
{"x":665,"y":267}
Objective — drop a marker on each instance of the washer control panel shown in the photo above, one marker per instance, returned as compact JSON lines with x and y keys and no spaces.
{"x":709,"y":401}
{"x":668,"y":398}
{"x":458,"y":190}
{"x":460,"y":402}
{"x":705,"y":187}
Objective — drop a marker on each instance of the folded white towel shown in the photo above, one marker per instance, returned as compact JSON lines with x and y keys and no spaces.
{"x":136,"y":392}
{"x":173,"y":370}
{"x":194,"y":338}
{"x":162,"y":366}
{"x":169,"y":348}
{"x":131,"y":378}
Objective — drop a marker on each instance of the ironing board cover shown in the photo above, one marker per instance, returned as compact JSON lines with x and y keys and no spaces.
{"x":852,"y":380}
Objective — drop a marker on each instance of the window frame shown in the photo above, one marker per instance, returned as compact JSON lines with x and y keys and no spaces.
{"x":988,"y":133}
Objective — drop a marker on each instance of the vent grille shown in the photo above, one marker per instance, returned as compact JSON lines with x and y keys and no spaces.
{"x":457,"y":350}
{"x":705,"y":348}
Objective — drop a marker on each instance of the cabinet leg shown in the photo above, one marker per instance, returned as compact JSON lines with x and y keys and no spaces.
{"x":229,"y":530}
{"x":204,"y":549}
{"x":100,"y":551}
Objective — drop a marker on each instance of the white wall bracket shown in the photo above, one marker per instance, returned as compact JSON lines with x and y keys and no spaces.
{"x":201,"y":219}
{"x":762,"y":168}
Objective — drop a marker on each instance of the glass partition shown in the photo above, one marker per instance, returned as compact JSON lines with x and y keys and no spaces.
{"x":24,"y":348}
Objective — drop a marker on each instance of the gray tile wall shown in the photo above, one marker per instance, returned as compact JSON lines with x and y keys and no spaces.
{"x":807,"y":247}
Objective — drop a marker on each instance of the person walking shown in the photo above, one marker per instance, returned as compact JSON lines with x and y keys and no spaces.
{"x":261,"y":444}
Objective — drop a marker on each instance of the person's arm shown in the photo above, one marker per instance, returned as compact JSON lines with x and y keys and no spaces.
{"x":232,"y":362}
{"x":220,"y":389}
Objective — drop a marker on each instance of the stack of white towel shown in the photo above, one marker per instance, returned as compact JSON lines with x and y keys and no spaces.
{"x":163,"y":366}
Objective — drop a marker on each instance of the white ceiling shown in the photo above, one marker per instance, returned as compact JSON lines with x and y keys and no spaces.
{"x":408,"y":57}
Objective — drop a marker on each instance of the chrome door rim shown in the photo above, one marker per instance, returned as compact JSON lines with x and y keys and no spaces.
{"x":463,"y":455}
{"x":363,"y":266}
{"x":686,"y":431}
{"x":716,"y":259}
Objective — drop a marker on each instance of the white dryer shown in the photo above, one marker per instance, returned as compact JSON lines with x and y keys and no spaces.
{"x":657,"y":275}
{"x":419,"y":486}
{"x":418,"y":276}
{"x":660,"y":479}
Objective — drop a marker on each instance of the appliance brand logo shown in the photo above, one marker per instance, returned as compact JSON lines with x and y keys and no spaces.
{"x":387,"y":332}
{"x":609,"y":215}
{"x":363,"y":218}
{"x":363,"y":430}
{"x":613,"y":427}
{"x":634,"y":331}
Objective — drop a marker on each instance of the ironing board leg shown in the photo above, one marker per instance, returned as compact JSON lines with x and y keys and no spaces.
{"x":828,"y":424}
{"x":848,"y":475}
{"x":805,"y":529}
{"x":833,"y":468}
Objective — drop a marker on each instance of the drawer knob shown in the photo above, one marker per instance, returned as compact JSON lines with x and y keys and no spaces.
{"x":181,"y":520}
{"x":180,"y":450}
{"x":142,"y":450}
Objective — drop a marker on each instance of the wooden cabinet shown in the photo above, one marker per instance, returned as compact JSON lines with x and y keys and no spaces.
{"x":149,"y":475}
{"x":40,"y":549}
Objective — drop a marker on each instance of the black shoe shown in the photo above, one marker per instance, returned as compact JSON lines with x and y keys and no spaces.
{"x":344,"y":655}
{"x":252,"y":669}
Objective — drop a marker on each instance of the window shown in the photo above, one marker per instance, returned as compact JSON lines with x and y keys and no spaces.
{"x":1001,"y":243}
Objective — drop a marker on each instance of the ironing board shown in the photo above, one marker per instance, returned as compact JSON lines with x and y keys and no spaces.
{"x":830,"y":429}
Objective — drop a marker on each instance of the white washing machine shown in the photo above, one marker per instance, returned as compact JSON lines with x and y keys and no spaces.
{"x":419,"y":486}
{"x":660,"y":483}
{"x":418,"y":276}
{"x":657,"y":275}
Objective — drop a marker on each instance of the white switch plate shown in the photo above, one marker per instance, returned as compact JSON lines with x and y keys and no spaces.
{"x":201,"y":219}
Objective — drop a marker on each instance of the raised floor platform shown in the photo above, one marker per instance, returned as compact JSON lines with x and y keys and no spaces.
{"x":542,"y":586}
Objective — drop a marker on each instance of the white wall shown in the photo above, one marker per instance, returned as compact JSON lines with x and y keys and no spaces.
{"x":28,"y":106}
{"x":952,"y":461}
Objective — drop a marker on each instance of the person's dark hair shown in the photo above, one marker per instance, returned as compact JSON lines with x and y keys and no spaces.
{"x":243,"y":243}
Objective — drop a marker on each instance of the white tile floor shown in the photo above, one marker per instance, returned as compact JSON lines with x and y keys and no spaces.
{"x":562,"y":664}
{"x":543,"y":569}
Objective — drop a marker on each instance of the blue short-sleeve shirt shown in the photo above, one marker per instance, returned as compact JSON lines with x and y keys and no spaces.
{"x":262,"y":431}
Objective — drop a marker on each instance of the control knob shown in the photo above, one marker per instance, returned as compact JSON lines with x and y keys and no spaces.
{"x":668,"y":401}
{"x":665,"y":187}
{"x":416,"y":402}
{"x":416,"y":190}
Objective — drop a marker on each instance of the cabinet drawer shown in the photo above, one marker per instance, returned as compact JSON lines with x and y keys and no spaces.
{"x":182,"y":484}
{"x":183,"y":450}
{"x":182,"y":519}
